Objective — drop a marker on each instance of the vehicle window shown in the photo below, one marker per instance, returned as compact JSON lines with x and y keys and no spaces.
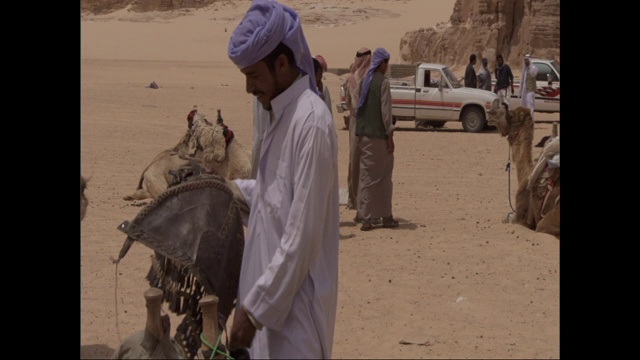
{"x":543,"y":70}
{"x":451,"y":78}
{"x":427,"y":78}
{"x":436,"y":78}
{"x":556,"y":66}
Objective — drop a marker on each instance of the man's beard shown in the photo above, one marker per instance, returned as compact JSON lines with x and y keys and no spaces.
{"x":277,"y":90}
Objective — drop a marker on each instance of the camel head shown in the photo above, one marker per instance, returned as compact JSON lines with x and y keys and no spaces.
{"x":509,"y":121}
{"x":210,"y":138}
{"x":498,"y":117}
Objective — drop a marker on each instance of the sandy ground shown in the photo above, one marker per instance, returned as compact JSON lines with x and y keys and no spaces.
{"x":453,"y":281}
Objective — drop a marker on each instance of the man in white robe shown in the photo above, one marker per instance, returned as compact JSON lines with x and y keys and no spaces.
{"x":287,"y":296}
{"x":528,"y":84}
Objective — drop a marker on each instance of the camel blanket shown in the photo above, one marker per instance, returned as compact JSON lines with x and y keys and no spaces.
{"x":196,"y":231}
{"x":549,"y":159}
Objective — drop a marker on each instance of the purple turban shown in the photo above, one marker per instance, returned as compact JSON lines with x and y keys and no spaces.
{"x":379,"y":56}
{"x":264,"y":26}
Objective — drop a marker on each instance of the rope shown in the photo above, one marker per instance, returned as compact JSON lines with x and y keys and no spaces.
{"x":508,"y":170}
{"x":115,"y":295}
{"x":215,"y":348}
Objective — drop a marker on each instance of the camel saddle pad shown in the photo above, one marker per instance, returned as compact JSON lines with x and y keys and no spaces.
{"x":196,"y":226}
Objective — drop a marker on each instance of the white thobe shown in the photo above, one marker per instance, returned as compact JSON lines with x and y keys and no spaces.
{"x":528,"y":98}
{"x":261,"y":119}
{"x":289,"y":276}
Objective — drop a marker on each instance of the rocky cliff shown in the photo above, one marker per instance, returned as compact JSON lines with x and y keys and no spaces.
{"x":487,"y":28}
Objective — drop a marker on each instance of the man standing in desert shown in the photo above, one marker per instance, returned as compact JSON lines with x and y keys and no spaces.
{"x":352,"y":88}
{"x":470,"y":79}
{"x":528,"y":84}
{"x":484,"y":76}
{"x":288,"y":288}
{"x":504,"y":80}
{"x":374,"y":128}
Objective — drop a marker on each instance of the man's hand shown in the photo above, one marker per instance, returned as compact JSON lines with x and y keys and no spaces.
{"x":391,"y":146}
{"x":242,"y":331}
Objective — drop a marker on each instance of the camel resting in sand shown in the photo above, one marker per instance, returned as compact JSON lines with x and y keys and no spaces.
{"x":538,"y":194}
{"x":211,"y":146}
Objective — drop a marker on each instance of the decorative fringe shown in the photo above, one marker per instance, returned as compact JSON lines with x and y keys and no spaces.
{"x":182,"y":291}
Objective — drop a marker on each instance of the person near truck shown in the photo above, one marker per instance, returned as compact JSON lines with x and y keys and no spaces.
{"x":504,"y":80}
{"x":470,"y":79}
{"x":352,"y":87}
{"x":484,"y":76}
{"x":528,"y":84}
{"x":374,"y":128}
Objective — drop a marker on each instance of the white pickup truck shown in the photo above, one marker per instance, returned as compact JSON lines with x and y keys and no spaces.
{"x":432,"y":95}
{"x":547,"y":89}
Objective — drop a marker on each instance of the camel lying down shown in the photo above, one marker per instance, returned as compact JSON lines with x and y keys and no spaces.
{"x":211,"y":146}
{"x":538,"y":194}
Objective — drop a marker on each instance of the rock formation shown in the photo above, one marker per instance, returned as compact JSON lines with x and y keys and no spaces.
{"x":488,"y":27}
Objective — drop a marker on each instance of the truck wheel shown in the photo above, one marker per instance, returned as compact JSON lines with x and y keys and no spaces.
{"x":473,"y":120}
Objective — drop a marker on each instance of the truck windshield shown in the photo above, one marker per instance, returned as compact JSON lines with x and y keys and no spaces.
{"x":547,"y":71}
{"x":556,"y":66}
{"x":452,"y":78}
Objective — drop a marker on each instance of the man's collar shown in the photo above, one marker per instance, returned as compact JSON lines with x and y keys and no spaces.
{"x":292,"y":92}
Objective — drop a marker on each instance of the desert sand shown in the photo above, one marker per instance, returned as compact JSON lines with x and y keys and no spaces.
{"x":453,"y":281}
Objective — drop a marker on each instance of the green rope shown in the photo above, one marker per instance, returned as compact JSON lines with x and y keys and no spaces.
{"x":215,"y":348}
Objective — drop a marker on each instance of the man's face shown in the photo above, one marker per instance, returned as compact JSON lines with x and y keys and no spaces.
{"x":526,"y":62}
{"x":384,"y":66}
{"x":500,"y":61}
{"x":262,"y":83}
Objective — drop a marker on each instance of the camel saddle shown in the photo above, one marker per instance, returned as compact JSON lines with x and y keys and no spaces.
{"x":196,"y":232}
